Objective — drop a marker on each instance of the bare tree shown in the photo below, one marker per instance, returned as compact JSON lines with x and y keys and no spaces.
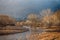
{"x":46,"y":12}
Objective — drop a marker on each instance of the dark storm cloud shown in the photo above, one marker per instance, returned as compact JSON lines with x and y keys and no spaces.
{"x":19,"y":8}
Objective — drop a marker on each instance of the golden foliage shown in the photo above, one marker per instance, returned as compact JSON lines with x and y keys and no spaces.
{"x":6,"y":20}
{"x":32,"y":17}
{"x":51,"y":20}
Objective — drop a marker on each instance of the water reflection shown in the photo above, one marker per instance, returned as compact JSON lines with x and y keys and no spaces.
{"x":19,"y":36}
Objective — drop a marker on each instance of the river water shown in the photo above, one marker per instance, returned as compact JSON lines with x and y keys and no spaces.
{"x":17,"y":36}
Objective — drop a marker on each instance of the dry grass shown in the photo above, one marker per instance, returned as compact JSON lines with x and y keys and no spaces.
{"x":2,"y":32}
{"x":45,"y":36}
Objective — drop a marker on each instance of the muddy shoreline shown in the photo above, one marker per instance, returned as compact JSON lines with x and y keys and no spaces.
{"x":12,"y":30}
{"x":6,"y":32}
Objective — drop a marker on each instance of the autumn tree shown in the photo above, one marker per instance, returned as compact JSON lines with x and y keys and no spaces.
{"x":6,"y":20}
{"x":52,"y":20}
{"x":33,"y":18}
{"x":45,"y":17}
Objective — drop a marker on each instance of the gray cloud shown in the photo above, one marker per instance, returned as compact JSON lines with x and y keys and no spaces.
{"x":18,"y":8}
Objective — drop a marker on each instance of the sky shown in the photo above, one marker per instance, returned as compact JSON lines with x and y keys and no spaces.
{"x":20,"y":8}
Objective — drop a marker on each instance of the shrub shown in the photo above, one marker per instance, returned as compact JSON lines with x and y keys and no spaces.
{"x":6,"y":20}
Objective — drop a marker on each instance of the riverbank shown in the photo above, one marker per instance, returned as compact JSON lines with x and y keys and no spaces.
{"x":12,"y":30}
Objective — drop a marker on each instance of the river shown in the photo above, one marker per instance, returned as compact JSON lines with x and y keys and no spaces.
{"x":17,"y":36}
